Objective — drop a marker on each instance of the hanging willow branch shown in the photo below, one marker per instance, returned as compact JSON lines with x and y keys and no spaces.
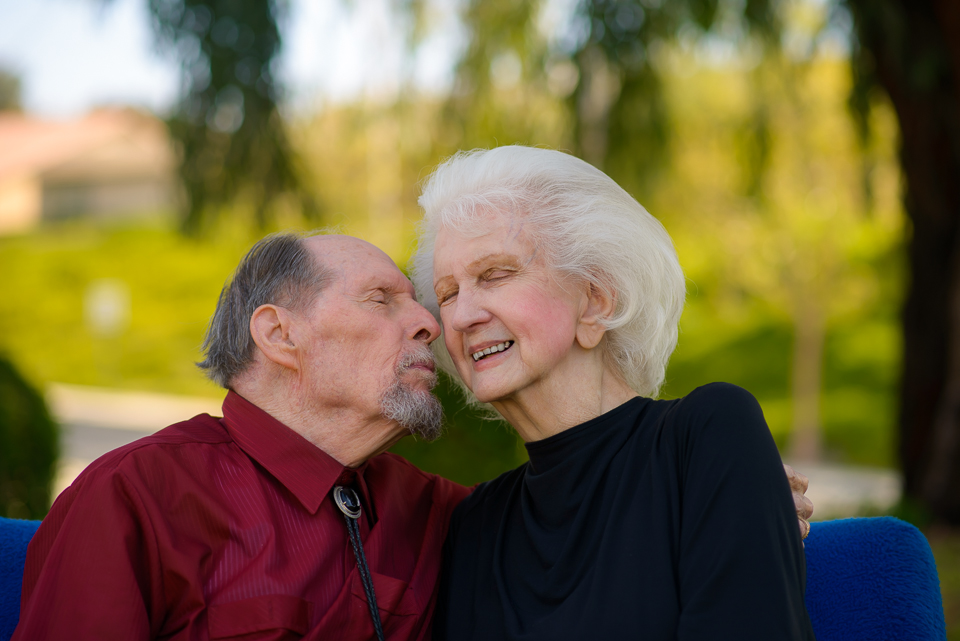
{"x":232,"y":142}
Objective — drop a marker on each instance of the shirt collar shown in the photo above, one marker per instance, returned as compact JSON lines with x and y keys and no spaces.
{"x":302,"y":467}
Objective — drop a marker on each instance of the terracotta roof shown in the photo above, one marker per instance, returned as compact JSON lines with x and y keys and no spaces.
{"x":106,"y":141}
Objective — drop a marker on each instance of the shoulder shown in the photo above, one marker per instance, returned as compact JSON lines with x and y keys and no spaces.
{"x":716,"y":404}
{"x":149,"y":450}
{"x":395,"y":468}
{"x":489,"y":495}
{"x":716,"y":398}
{"x":718,"y":417}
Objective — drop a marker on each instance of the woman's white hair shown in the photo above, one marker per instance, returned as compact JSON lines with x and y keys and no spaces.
{"x":585,"y":225}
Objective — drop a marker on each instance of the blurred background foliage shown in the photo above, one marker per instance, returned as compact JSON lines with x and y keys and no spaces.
{"x":233,"y":147}
{"x":803,"y":154}
{"x":795,"y":270}
{"x":28,"y":447}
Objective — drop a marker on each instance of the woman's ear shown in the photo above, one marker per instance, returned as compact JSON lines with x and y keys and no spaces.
{"x":600,"y":305}
{"x":271,"y":327}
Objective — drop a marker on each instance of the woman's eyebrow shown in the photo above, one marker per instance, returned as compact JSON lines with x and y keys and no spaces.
{"x":442,"y":281}
{"x":485,"y":261}
{"x":482,"y":263}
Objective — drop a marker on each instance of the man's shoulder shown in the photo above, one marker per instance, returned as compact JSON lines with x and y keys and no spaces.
{"x":397,"y":467}
{"x":394,"y":464}
{"x":144,"y":467}
{"x":201,"y":429}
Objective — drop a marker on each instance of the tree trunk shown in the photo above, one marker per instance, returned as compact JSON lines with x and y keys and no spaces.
{"x":915,"y":46}
{"x":808,"y":337}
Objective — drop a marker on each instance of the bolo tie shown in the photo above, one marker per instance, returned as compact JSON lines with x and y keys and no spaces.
{"x":349,"y":503}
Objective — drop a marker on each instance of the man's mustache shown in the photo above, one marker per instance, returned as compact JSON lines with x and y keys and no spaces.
{"x":418,"y":357}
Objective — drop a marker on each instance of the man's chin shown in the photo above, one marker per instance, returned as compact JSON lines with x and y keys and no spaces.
{"x":420,"y":379}
{"x":416,"y":410}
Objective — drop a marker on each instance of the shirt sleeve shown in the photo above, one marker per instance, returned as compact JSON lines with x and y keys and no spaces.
{"x":741,"y":563}
{"x":92,"y":569}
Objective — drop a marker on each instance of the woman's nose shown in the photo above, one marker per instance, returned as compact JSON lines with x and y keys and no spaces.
{"x":467,"y":311}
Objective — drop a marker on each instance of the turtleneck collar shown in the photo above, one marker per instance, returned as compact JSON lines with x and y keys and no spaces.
{"x":558,"y":449}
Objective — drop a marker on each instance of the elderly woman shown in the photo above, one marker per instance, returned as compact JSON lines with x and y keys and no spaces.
{"x":559,"y":297}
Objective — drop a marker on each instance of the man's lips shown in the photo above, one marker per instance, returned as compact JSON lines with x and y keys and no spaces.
{"x":423,"y":366}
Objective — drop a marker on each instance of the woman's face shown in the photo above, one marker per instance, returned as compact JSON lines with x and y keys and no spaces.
{"x":508,"y":321}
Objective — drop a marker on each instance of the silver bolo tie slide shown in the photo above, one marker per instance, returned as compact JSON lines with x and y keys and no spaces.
{"x":349,"y":503}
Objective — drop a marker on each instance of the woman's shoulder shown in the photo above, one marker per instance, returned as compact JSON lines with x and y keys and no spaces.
{"x":721,"y":410}
{"x":713,"y":399}
{"x":490,"y":494}
{"x":722,"y":395}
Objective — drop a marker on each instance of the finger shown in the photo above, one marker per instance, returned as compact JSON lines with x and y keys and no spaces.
{"x":804,"y":529}
{"x":803,"y":505}
{"x":798,"y":482}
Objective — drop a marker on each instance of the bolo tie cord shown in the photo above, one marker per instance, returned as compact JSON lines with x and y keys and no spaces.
{"x":349,"y":503}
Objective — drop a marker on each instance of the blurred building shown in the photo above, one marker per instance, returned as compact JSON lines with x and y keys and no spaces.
{"x":111,"y":163}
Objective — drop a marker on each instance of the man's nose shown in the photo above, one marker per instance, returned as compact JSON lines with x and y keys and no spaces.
{"x":425,"y":326}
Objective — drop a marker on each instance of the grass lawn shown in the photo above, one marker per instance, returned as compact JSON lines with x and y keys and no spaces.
{"x":946,"y":551}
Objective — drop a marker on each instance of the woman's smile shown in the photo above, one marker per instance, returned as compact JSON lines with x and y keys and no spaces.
{"x":508,"y":321}
{"x":481,"y":352}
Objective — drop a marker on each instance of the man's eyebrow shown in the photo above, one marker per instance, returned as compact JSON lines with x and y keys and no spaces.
{"x":392,"y":288}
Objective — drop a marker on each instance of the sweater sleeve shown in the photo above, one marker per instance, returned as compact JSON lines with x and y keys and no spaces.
{"x":92,"y":570}
{"x":741,"y":564}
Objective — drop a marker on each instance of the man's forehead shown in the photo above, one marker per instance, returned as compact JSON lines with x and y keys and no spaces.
{"x":358,"y":263}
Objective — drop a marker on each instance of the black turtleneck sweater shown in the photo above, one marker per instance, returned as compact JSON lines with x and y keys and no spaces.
{"x":657,"y":520}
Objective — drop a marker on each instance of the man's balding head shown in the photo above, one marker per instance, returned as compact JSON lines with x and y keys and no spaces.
{"x":280,"y":269}
{"x":325,"y":333}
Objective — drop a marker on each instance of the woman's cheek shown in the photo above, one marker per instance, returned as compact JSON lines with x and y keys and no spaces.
{"x":551,"y":321}
{"x":452,"y":341}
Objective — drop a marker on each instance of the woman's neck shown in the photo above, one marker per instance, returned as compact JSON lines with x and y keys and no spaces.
{"x":560,"y":402}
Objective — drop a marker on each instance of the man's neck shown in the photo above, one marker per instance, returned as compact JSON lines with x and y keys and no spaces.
{"x":348,"y":436}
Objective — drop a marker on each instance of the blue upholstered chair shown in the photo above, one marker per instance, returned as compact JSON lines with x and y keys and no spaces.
{"x":14,"y":536}
{"x":867,"y":579}
{"x":872,"y":579}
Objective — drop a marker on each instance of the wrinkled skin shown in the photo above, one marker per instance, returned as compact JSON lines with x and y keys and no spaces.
{"x":798,"y":485}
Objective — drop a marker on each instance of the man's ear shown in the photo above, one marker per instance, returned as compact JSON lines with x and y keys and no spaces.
{"x":271,"y":328}
{"x":599,"y":306}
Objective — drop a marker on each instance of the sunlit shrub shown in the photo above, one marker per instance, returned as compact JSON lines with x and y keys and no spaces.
{"x":28,"y":447}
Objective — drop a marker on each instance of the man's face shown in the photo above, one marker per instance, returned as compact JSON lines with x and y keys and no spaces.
{"x":364,"y":348}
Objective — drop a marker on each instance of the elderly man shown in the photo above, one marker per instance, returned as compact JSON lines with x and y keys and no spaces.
{"x":243,"y":527}
{"x":226,"y":528}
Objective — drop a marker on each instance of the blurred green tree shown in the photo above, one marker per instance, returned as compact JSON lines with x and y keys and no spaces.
{"x":909,"y":50}
{"x":9,"y":91}
{"x":28,"y":447}
{"x":233,"y":146}
{"x":802,"y":244}
{"x":472,"y":449}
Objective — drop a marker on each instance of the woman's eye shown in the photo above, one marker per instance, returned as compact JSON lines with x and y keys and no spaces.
{"x":445,"y":297}
{"x":495,"y":275}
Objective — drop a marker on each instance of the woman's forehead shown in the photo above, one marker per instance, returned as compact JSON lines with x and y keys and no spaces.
{"x":500,"y":246}
{"x":492,"y":225}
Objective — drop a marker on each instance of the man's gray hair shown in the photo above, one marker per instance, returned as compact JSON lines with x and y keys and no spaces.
{"x":585,"y":225}
{"x":278,"y":270}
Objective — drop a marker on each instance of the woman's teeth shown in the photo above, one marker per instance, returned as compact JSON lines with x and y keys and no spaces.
{"x":483,"y":353}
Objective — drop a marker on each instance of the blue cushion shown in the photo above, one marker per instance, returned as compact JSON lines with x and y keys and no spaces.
{"x":14,"y":536}
{"x":867,"y":579}
{"x":872,"y":578}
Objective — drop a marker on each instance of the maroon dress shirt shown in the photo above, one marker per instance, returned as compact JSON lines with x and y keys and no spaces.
{"x":225,"y":528}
